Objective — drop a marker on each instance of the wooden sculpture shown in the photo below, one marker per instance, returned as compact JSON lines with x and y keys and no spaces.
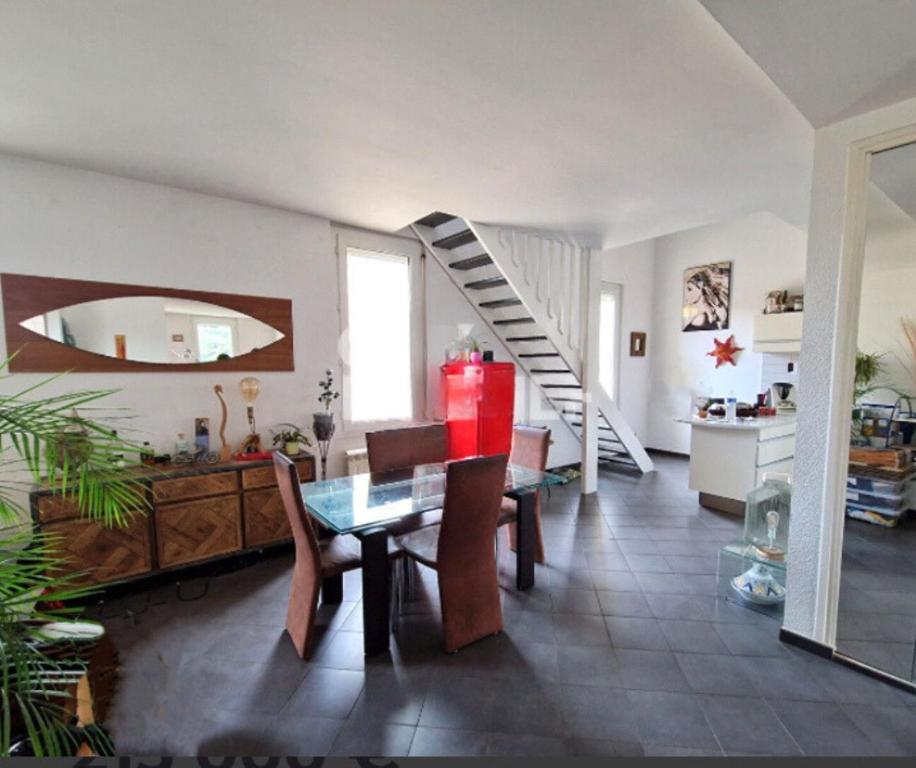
{"x":225,"y":452}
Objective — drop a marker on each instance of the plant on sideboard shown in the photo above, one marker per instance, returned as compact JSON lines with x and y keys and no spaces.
{"x":44,"y":439}
{"x":290,"y":437}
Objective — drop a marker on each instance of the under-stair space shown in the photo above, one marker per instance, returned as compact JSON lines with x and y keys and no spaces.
{"x":527,"y":290}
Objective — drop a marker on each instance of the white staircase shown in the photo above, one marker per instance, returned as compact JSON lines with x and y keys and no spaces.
{"x":533,"y":293}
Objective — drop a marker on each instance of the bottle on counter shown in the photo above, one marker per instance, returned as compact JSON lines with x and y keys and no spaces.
{"x":731,"y":407}
{"x":147,"y":454}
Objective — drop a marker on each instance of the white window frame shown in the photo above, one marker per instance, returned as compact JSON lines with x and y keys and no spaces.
{"x":411,"y":250}
{"x":617,"y":290}
{"x":197,"y":320}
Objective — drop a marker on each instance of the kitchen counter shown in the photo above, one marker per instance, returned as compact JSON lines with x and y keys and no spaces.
{"x":754,"y":423}
{"x":729,"y":458}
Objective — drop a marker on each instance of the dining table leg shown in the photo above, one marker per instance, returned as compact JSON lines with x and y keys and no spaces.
{"x":376,"y":591}
{"x":526,"y":541}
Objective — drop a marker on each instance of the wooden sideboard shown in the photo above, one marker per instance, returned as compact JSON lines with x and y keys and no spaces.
{"x":197,"y":513}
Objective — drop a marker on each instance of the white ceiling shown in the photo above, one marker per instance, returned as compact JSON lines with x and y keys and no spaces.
{"x":833,"y":58}
{"x":610,"y":121}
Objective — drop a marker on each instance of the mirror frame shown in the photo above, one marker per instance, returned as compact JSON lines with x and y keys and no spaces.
{"x":25,"y":296}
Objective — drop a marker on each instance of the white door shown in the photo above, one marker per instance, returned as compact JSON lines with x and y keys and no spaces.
{"x":609,"y":339}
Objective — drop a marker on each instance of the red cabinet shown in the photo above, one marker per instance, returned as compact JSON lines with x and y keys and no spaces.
{"x":479,"y":408}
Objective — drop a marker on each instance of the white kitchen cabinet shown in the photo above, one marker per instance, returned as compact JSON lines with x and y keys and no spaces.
{"x":778,"y":333}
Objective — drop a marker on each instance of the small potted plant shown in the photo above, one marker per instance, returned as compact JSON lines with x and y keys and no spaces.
{"x":290,"y":437}
{"x":323,"y":422}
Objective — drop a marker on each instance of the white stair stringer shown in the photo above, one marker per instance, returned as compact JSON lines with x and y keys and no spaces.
{"x":537,"y":283}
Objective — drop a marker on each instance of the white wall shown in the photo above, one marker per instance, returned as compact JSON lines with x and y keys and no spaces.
{"x":766,"y":254}
{"x":633,"y":268}
{"x":446,"y":309}
{"x":141,"y":319}
{"x":828,"y":347}
{"x":62,"y":222}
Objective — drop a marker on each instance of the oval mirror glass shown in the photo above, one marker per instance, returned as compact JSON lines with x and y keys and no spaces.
{"x":155,"y":329}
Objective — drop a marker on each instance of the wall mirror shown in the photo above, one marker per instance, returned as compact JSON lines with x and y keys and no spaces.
{"x":88,"y":326}
{"x":876,"y":616}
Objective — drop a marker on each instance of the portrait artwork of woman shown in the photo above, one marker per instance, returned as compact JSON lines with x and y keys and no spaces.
{"x":706,"y":292}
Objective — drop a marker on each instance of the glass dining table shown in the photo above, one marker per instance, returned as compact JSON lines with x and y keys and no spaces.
{"x":368,"y":505}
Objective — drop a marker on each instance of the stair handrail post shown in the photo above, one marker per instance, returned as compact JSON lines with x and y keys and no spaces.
{"x":590,"y":285}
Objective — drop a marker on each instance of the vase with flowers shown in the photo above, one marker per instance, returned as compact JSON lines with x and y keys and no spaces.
{"x":323,"y":421}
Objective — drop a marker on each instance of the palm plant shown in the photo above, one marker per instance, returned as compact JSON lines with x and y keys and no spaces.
{"x":44,"y":439}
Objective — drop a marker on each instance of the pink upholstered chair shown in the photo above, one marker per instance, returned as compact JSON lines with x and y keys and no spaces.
{"x":529,"y":449}
{"x":461,"y":550}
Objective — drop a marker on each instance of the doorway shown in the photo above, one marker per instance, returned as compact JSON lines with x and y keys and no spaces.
{"x":609,"y":339}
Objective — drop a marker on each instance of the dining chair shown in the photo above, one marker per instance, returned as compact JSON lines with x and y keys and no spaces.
{"x":529,"y":449}
{"x":320,"y":564}
{"x":405,"y":447}
{"x":461,"y":550}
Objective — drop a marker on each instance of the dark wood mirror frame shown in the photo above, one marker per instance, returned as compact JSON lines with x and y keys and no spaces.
{"x":25,"y":296}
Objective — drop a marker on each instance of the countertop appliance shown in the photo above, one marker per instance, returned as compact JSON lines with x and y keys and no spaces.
{"x":784,"y":396}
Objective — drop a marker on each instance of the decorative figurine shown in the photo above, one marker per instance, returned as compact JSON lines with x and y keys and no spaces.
{"x":225,"y":452}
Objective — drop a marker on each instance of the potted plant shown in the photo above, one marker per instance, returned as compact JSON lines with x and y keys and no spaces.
{"x":290,"y":437}
{"x":323,"y":422}
{"x":43,"y":651}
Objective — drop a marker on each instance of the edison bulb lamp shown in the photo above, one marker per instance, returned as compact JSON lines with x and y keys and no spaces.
{"x":250,"y":388}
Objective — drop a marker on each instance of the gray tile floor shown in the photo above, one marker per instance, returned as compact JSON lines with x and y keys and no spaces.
{"x":622,"y":648}
{"x":876,"y":622}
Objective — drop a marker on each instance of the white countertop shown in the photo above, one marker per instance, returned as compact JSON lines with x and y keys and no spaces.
{"x":758,"y":423}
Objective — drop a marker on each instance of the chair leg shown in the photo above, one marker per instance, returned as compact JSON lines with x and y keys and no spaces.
{"x":332,"y":589}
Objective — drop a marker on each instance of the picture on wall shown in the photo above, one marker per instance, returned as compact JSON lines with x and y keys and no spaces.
{"x":706,"y":295}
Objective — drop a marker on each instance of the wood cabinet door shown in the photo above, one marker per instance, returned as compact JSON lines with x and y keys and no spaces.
{"x":265,"y":518}
{"x":103,"y":554}
{"x":198,"y":530}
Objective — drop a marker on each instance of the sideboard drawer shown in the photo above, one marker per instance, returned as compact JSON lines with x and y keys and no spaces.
{"x":194,"y":487}
{"x":198,"y":530}
{"x":266,"y":477}
{"x":99,"y":554}
{"x":57,"y":508}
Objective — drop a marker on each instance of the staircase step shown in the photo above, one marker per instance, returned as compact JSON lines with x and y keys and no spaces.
{"x":489,"y":282}
{"x":526,"y":338}
{"x":499,"y":303}
{"x":603,"y":429}
{"x":455,"y":241}
{"x":549,"y":370}
{"x":561,"y":386}
{"x":435,"y":219}
{"x":514,"y":321}
{"x":538,"y":354}
{"x":566,"y":399}
{"x":567,"y":412}
{"x":472,"y":262}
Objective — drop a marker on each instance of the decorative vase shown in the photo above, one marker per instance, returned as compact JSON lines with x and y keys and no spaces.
{"x":476,"y":358}
{"x":323,"y":425}
{"x":291,"y":448}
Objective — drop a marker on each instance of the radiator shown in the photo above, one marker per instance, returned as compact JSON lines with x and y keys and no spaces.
{"x":357,"y":461}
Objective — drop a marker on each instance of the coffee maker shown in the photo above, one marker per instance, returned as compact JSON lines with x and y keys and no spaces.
{"x":783,"y":396}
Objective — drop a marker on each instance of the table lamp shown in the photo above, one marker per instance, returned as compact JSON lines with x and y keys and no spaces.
{"x":250,"y":388}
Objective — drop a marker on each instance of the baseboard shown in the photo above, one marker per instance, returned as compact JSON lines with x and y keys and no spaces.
{"x":805,"y":643}
{"x":877,"y":674}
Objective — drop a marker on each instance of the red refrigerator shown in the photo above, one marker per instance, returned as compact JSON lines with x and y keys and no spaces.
{"x":479,"y":408}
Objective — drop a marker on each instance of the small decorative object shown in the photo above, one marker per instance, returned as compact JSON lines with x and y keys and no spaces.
{"x":706,"y":297}
{"x":250,"y":388}
{"x":775,"y":302}
{"x":181,"y":445}
{"x":225,"y":452}
{"x":120,"y":341}
{"x":70,"y":447}
{"x":177,"y":337}
{"x":766,"y":517}
{"x":290,"y":437}
{"x":725,"y":351}
{"x":759,"y":585}
{"x":476,"y":358}
{"x":147,"y":454}
{"x":798,"y":303}
{"x":323,"y":423}
{"x":637,"y":344}
{"x":202,"y":434}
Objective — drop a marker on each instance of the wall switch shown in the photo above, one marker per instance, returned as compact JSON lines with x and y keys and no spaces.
{"x":790,"y":367}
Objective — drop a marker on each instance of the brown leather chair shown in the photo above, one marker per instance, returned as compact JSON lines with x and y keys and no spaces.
{"x":529,"y":449}
{"x":461,"y":550}
{"x":402,"y":448}
{"x":319,"y":564}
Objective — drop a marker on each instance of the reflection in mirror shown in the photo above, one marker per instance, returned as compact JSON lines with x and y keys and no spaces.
{"x":155,"y":329}
{"x":876,"y":620}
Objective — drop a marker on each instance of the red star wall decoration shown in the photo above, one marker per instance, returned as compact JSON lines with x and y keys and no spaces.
{"x":725,"y":351}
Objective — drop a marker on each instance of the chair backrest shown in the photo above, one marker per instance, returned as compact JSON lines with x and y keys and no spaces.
{"x":473,"y":495}
{"x":407,"y":447}
{"x":308,"y":555}
{"x":530,"y":446}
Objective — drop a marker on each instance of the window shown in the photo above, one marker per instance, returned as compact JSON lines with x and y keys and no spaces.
{"x":214,"y":338}
{"x":609,"y":338}
{"x":382,"y":318}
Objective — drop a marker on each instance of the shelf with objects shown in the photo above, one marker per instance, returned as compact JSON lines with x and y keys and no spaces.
{"x":752,"y":572}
